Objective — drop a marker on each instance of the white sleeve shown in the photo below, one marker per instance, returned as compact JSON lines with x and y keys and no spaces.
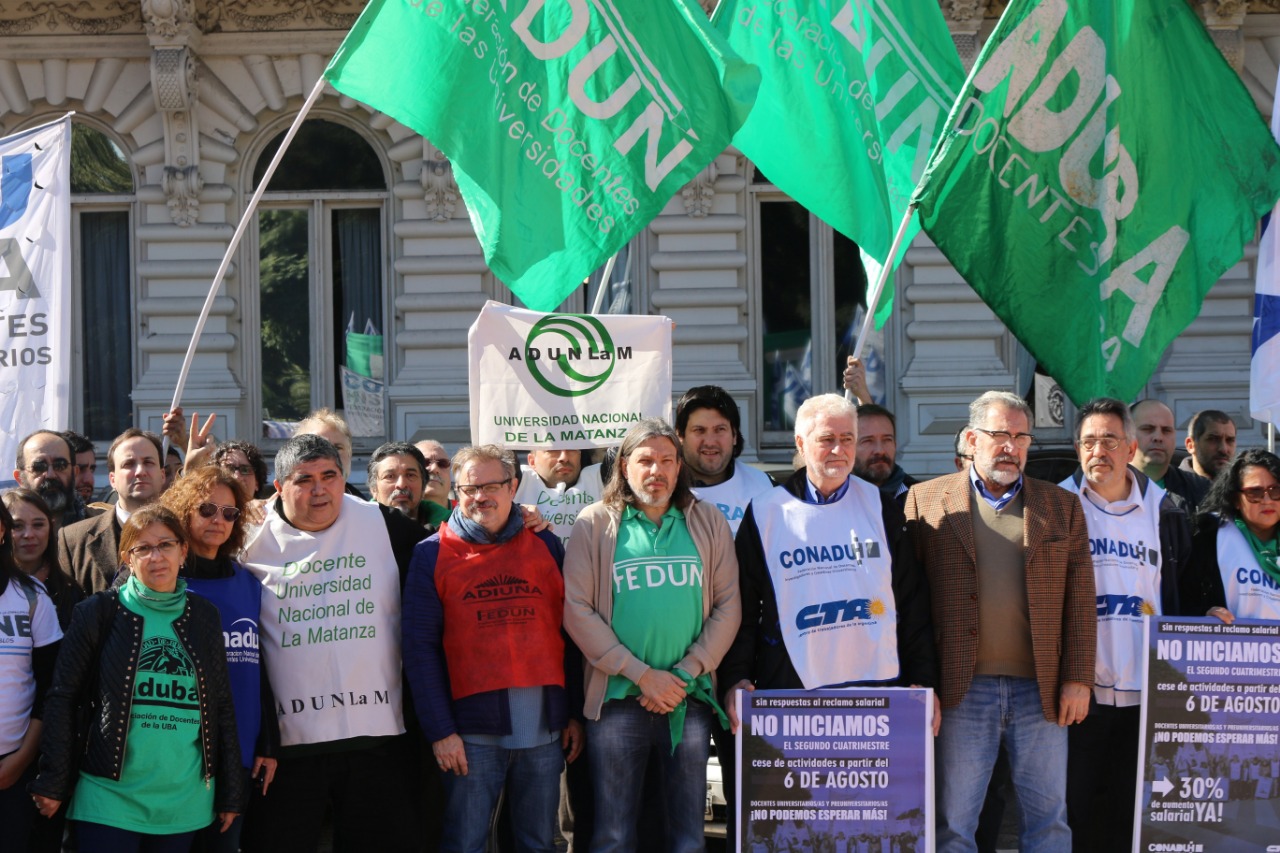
{"x":44,"y":627}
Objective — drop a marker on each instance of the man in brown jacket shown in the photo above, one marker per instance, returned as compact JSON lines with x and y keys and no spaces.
{"x":1015,"y":618}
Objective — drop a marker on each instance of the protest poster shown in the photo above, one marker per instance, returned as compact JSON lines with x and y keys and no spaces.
{"x":1210,"y":753}
{"x":835,"y":769}
{"x":569,"y":381}
{"x":35,"y":282}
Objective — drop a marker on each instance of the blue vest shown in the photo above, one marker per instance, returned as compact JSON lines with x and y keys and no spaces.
{"x":238,"y":599}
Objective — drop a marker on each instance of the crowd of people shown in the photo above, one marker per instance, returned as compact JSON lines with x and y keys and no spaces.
{"x":484,"y":653}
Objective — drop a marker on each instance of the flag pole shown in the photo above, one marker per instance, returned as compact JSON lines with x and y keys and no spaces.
{"x":1271,"y":438}
{"x":235,"y":243}
{"x":873,"y":298}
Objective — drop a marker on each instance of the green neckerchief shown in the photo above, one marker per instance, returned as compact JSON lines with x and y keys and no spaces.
{"x":135,"y":594}
{"x":1266,"y":552}
{"x":697,"y":688}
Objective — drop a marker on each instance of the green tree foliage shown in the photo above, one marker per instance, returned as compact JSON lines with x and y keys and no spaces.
{"x":286,"y":331}
{"x":97,"y":163}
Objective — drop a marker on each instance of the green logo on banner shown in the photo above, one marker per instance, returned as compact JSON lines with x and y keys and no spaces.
{"x":581,"y":346}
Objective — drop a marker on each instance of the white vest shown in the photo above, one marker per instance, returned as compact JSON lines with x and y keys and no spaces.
{"x":1126,"y":574}
{"x":330,"y":624}
{"x":560,"y":506}
{"x":832,"y":577}
{"x":1251,"y":592}
{"x":732,"y":496}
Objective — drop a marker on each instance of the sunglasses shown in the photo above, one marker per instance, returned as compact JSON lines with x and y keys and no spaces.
{"x":42,"y":467}
{"x":209,"y":510}
{"x":1254,"y":495}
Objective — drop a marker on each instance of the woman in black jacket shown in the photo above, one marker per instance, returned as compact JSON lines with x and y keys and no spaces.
{"x":139,"y":722}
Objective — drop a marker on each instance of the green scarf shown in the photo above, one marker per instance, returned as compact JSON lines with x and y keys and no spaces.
{"x":1266,"y":552}
{"x":698,"y":688}
{"x":137,"y":596}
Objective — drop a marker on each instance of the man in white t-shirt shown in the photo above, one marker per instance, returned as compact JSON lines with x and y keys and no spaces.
{"x":710,"y":429}
{"x":1139,"y":541}
{"x":559,"y":487}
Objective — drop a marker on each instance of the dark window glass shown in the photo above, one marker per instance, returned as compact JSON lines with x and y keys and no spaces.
{"x":322,"y":156}
{"x":97,"y":164}
{"x":105,"y":322}
{"x":285,"y":287}
{"x":786,"y":312}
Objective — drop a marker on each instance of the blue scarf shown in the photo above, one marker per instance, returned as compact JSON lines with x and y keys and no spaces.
{"x":476,"y":534}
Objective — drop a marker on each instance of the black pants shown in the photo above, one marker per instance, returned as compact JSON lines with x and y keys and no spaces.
{"x":369,"y":791}
{"x":1102,"y":778}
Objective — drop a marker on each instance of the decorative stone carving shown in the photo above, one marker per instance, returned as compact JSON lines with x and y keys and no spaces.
{"x":70,"y":16}
{"x":182,"y":194}
{"x":166,"y":19}
{"x":174,"y":85}
{"x":699,"y":194}
{"x":439,"y":188}
{"x":964,"y":10}
{"x":275,"y":15}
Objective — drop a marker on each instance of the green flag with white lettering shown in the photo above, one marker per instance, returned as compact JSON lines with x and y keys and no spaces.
{"x":1103,"y":168}
{"x":853,"y":96}
{"x":569,"y":124}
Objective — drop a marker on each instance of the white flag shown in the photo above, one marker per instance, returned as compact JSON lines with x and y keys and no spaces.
{"x":568,"y":381}
{"x":35,"y":283}
{"x":1264,"y":371}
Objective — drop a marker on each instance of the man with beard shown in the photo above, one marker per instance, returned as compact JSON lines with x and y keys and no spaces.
{"x":1211,"y":441}
{"x":555,"y":482}
{"x":1127,"y":515}
{"x":397,"y":479}
{"x":45,"y":466}
{"x":437,"y":467}
{"x":1157,"y":435}
{"x":710,"y":429}
{"x":651,"y":599}
{"x":89,"y":550}
{"x":85,"y":465}
{"x":877,"y":452}
{"x":1015,"y":618}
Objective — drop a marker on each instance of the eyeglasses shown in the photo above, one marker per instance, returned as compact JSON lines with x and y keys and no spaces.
{"x":42,"y":467}
{"x":1020,"y":440}
{"x":85,"y":469}
{"x":209,"y":509}
{"x":1109,"y":443}
{"x":164,"y":547}
{"x":238,"y":470}
{"x":1255,"y":494}
{"x":489,"y":489}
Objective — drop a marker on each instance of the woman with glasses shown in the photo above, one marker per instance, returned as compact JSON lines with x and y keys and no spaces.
{"x":209,"y":502}
{"x":139,"y":723}
{"x":243,"y":461}
{"x":1234,"y":568}
{"x":35,"y":550}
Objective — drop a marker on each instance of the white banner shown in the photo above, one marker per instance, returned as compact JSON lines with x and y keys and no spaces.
{"x":570,"y":381}
{"x":362,"y":403}
{"x":35,"y":283}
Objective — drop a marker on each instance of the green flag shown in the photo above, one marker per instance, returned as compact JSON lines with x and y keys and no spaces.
{"x":853,"y":96}
{"x":1103,"y":168}
{"x":569,"y":124}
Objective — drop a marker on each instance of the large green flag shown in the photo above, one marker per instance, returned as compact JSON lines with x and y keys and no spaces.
{"x":569,"y":123}
{"x":1103,"y":168}
{"x":853,"y":97}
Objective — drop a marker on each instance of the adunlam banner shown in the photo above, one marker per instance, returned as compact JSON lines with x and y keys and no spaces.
{"x":35,"y":282}
{"x":1209,"y":759}
{"x":566,"y":381}
{"x":835,"y":769}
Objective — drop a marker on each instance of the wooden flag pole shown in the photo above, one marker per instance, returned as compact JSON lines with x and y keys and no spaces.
{"x":873,"y":298}
{"x":234,"y":244}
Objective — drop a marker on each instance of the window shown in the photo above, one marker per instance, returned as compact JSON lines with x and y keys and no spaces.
{"x":811,"y":285}
{"x":102,"y":191}
{"x":320,"y":251}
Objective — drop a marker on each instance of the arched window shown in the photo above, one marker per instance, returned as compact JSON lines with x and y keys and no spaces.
{"x":320,"y":252}
{"x":811,"y":284}
{"x":101,"y":196}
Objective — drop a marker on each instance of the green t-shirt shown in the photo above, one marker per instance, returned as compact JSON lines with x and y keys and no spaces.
{"x":657,"y":592}
{"x":162,"y":789}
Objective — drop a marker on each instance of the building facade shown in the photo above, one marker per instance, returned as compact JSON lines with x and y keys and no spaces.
{"x":180,"y":104}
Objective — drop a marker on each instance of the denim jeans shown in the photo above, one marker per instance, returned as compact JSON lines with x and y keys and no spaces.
{"x":100,"y":838}
{"x":1002,"y":709}
{"x":532,"y":781}
{"x":619,"y":745}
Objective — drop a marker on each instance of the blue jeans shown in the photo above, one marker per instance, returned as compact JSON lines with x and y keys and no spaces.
{"x":1002,"y":709}
{"x":532,"y":780}
{"x":618,"y":747}
{"x":100,"y":838}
